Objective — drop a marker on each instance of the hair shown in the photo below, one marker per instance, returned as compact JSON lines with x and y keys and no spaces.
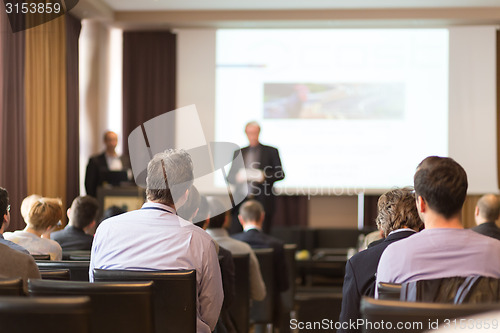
{"x":252,"y":123}
{"x":26,"y":206}
{"x":170,"y":174}
{"x":397,"y":209}
{"x":442,"y":183}
{"x":202,"y":214}
{"x":251,"y":211}
{"x":489,"y":207}
{"x":45,"y":213}
{"x":112,"y":211}
{"x":187,"y":210}
{"x":83,"y":211}
{"x":217,"y":213}
{"x":4,"y":202}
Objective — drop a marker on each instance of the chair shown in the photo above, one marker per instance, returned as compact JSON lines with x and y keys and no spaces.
{"x":262,"y":312}
{"x":389,"y":290}
{"x":288,"y":297}
{"x":316,"y":305}
{"x":240,"y":311}
{"x":174,"y":296}
{"x":41,"y":256}
{"x":55,"y":274}
{"x":120,"y":307}
{"x":11,"y":287}
{"x":45,"y":314}
{"x":78,"y":270}
{"x":80,"y":255}
{"x":399,"y":316}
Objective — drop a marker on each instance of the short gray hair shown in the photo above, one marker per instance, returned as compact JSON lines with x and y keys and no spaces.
{"x":170,"y":174}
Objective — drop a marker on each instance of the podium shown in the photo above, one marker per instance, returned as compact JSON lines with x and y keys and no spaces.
{"x":129,"y":197}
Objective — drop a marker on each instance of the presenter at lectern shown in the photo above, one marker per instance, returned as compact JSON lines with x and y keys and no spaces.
{"x":262,"y":167}
{"x":106,"y":165}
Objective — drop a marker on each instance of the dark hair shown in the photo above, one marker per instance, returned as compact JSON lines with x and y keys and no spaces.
{"x":112,"y":211}
{"x":187,"y":210}
{"x":251,"y":211}
{"x":83,"y":211}
{"x":442,"y":183}
{"x":397,"y":209}
{"x":216,"y":207}
{"x":4,"y":202}
{"x":202,"y":214}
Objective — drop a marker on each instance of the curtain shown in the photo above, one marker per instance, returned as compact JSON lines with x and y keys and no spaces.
{"x":45,"y":88}
{"x":149,"y":61}
{"x":73,"y":28}
{"x":12,"y":119}
{"x":290,"y":211}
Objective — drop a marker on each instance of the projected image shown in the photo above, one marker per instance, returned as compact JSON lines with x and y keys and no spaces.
{"x":370,"y":101}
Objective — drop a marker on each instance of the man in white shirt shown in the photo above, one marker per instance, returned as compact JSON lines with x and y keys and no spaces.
{"x":155,"y":238}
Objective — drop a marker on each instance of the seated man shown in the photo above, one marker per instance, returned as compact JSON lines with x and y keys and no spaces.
{"x":5,"y":212}
{"x":216,"y":229}
{"x":486,"y":213}
{"x":155,"y":238}
{"x":444,"y":248}
{"x":79,"y":233}
{"x":397,"y":218}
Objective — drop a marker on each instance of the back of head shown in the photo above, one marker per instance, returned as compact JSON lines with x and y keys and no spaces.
{"x":217,"y":213}
{"x":26,"y":205}
{"x":192,"y":204}
{"x":4,"y":202}
{"x":489,"y":207}
{"x":170,"y":174}
{"x":202,"y":214}
{"x":442,"y":183}
{"x":83,"y":211}
{"x":112,"y":211}
{"x":45,"y":213}
{"x":251,"y":211}
{"x":396,"y":210}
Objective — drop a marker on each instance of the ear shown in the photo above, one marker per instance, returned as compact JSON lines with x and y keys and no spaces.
{"x":262,"y":217}
{"x":240,"y":218}
{"x":68,"y":212}
{"x":421,"y":204}
{"x":476,"y":211}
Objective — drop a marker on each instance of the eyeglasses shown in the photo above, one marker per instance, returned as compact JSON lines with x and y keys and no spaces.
{"x":8,"y":208}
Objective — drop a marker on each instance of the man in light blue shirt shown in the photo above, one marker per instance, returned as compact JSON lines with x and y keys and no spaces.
{"x":444,"y":248}
{"x":155,"y":238}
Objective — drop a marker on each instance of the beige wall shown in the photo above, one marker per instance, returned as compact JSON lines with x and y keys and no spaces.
{"x":333,"y":212}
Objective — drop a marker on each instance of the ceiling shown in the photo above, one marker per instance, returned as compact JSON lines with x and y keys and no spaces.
{"x":171,"y":14}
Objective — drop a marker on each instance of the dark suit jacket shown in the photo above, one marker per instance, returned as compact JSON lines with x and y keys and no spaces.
{"x":96,"y":168}
{"x":488,"y":229}
{"x":258,"y":240}
{"x":360,"y":277}
{"x":73,"y":239}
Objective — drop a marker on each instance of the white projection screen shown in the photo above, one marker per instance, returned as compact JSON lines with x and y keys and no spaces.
{"x":350,"y":110}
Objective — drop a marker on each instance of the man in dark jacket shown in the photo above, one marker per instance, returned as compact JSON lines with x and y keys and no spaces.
{"x":486,"y":213}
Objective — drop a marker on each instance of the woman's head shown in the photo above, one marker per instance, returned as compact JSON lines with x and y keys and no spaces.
{"x":45,"y":213}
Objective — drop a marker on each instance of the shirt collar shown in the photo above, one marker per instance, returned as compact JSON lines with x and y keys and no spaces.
{"x":400,"y":230}
{"x":160,"y":206}
{"x":252,"y":227}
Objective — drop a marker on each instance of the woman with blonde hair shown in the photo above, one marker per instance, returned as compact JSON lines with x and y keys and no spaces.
{"x":43,"y":217}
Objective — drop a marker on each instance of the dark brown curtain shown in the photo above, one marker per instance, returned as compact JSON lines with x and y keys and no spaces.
{"x":498,"y":108}
{"x":370,"y":211}
{"x":149,"y":61}
{"x":73,"y":27}
{"x":13,"y":172}
{"x":291,"y":211}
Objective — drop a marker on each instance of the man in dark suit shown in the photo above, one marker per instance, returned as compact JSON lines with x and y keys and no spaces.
{"x":251,"y":217}
{"x":79,"y":233}
{"x":397,"y":218}
{"x":106,"y":161}
{"x":261,"y":169}
{"x":486,"y":213}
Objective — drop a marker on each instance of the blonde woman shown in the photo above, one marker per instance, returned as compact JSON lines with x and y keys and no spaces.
{"x":43,"y":217}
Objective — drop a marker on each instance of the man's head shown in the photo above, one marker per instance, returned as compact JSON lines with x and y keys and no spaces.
{"x":216,"y":219}
{"x":251,"y":213}
{"x":252,"y":130}
{"x":190,"y":208}
{"x":396,"y":210}
{"x":110,"y":141}
{"x":83,"y":212}
{"x":487,"y":209}
{"x":4,"y":209}
{"x":170,"y":175}
{"x":45,"y":213}
{"x":442,"y":185}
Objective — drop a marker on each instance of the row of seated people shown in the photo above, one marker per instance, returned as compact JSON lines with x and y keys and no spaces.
{"x":424,"y":240}
{"x":155,"y":237}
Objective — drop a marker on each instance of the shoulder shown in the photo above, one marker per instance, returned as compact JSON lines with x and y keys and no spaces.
{"x":270,"y":149}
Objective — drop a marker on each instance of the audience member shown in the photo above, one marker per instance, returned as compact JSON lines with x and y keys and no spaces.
{"x":112,"y":211}
{"x":43,"y":218}
{"x":217,"y":224}
{"x":251,"y":217}
{"x":189,"y":210}
{"x":155,"y":238}
{"x":444,"y":248}
{"x":106,"y":161}
{"x":397,"y":219}
{"x":79,"y":233}
{"x":486,"y":213}
{"x":26,"y":206}
{"x":5,"y":211}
